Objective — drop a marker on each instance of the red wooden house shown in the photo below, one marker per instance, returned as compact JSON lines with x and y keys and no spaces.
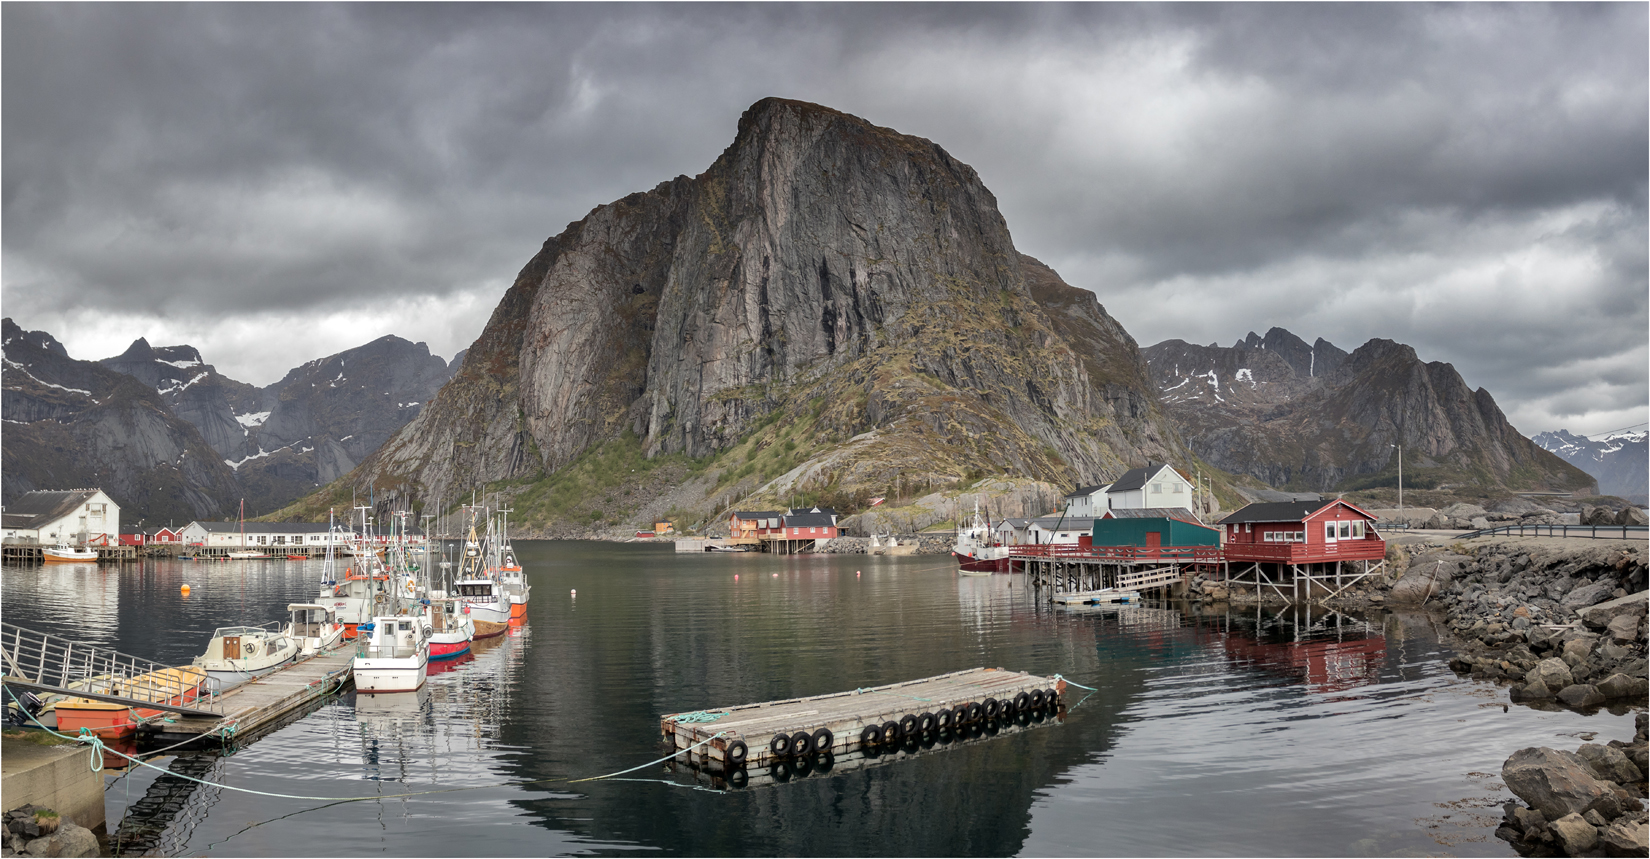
{"x":1287,"y":540}
{"x":165,"y":535}
{"x":136,"y":538}
{"x":745,"y":524}
{"x":809,"y":525}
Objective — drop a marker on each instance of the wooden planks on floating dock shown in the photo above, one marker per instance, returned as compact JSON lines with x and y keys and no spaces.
{"x":1100,"y":597}
{"x":917,"y":706}
{"x":259,"y":702}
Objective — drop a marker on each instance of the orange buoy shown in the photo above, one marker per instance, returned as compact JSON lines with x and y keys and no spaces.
{"x":185,"y":590}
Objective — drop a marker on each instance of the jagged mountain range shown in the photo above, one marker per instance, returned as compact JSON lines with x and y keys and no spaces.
{"x":1618,"y":460}
{"x":1316,"y":418}
{"x":268,"y":445}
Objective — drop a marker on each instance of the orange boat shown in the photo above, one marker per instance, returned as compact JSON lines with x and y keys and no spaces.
{"x":109,"y":720}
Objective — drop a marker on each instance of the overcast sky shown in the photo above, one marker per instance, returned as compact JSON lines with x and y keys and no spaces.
{"x":274,"y":183}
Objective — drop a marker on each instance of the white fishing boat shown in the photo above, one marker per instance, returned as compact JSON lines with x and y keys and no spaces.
{"x":237,"y":654}
{"x":508,"y":572}
{"x":394,"y":657}
{"x":315,"y":627}
{"x":486,"y":603}
{"x":974,"y":550}
{"x":63,"y":553}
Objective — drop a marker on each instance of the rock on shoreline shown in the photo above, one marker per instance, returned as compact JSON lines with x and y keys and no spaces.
{"x":1582,"y":803}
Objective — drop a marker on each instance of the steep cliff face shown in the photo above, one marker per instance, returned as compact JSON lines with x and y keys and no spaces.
{"x":76,"y":423}
{"x":821,"y":265}
{"x":1315,"y":418}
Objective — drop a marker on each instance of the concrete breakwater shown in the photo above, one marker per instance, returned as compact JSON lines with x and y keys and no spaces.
{"x":927,"y":544}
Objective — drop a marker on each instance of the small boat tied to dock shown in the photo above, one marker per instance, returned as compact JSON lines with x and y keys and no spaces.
{"x":880,"y":718}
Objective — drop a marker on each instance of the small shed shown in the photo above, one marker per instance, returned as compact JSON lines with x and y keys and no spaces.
{"x":1152,"y":532}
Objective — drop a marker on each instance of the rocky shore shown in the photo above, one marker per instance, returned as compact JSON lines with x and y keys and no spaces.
{"x":35,"y":831}
{"x":1583,"y":803}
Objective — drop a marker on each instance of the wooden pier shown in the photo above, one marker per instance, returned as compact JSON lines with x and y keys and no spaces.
{"x":883,"y":717}
{"x":21,"y":553}
{"x":1105,"y":596}
{"x":1063,"y":568}
{"x":822,"y":765}
{"x":263,"y":701}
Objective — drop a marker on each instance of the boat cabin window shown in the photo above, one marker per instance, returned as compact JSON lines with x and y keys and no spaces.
{"x":476,"y":589}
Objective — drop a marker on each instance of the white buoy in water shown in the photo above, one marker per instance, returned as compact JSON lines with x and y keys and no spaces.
{"x":575,"y":592}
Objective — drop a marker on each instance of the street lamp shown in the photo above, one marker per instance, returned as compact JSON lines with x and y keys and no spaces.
{"x":1400,"y":474}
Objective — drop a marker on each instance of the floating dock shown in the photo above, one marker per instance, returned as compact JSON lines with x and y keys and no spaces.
{"x":875,"y":719}
{"x":262,"y":701}
{"x":1104,"y":596}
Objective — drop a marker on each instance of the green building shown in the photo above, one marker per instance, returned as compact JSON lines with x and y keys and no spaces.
{"x":1151,"y":528}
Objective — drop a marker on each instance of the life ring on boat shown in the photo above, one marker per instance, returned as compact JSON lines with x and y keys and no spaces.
{"x":428,"y":631}
{"x":736,"y":753}
{"x":411,"y":587}
{"x":250,"y":647}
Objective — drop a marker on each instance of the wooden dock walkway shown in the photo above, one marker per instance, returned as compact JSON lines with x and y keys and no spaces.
{"x":882,"y":717}
{"x":1103,"y":596}
{"x":262,"y":701}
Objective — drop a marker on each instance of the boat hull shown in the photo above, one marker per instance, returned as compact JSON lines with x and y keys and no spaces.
{"x":396,"y":674}
{"x":56,"y":556}
{"x":112,"y":721}
{"x":981,"y":565}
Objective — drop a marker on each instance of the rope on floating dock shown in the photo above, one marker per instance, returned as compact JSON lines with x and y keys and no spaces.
{"x":697,"y":717}
{"x":1070,"y":682}
{"x":97,"y":750}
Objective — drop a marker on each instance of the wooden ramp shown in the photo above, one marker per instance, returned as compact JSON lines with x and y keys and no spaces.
{"x":262,"y":701}
{"x":1103,"y":596}
{"x":882,"y":717}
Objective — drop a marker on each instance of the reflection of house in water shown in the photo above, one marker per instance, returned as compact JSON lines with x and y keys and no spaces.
{"x":1330,"y":654}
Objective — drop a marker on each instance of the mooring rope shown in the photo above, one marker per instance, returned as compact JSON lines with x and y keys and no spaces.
{"x":1071,"y":682}
{"x":698,"y":717}
{"x":98,"y":748}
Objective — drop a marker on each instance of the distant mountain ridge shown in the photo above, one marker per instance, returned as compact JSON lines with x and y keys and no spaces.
{"x":1316,"y":418}
{"x":268,"y":445}
{"x":1619,"y":460}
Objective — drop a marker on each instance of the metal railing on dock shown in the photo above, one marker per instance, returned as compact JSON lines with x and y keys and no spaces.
{"x":40,"y":662}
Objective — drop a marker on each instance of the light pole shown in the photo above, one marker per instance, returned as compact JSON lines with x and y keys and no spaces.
{"x":1400,"y":474}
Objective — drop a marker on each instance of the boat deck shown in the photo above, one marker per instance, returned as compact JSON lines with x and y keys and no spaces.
{"x":845,"y":715}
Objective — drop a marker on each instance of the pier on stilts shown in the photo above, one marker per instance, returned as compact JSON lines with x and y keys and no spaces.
{"x":873,"y":719}
{"x":1087,"y":574}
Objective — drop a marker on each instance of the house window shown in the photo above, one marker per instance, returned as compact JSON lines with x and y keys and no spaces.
{"x":1179,"y":490}
{"x":1157,"y":489}
{"x":1329,"y":530}
{"x":813,"y":531}
{"x":1358,"y":529}
{"x":263,"y":540}
{"x":1346,"y":530}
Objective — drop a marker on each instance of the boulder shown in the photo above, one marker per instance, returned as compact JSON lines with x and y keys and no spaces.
{"x":70,"y":840}
{"x":1532,"y":690}
{"x":1624,"y":628}
{"x":1587,"y":595}
{"x":1620,"y":685}
{"x":1479,"y":523}
{"x":1598,"y":616}
{"x":1576,"y":651}
{"x":1609,"y":764}
{"x":1581,"y":695}
{"x":1463,"y":510}
{"x":1557,"y":783}
{"x":1550,"y":673}
{"x":1625,"y":838}
{"x":1591,"y":515}
{"x":1632,"y":516}
{"x":1573,"y":835}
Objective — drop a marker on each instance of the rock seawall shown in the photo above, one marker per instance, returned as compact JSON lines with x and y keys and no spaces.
{"x":1583,"y":803}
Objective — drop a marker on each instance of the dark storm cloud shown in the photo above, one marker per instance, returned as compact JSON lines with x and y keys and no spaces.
{"x":1469,"y":179}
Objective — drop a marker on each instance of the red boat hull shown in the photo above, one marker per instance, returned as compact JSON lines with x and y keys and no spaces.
{"x":996,"y":565}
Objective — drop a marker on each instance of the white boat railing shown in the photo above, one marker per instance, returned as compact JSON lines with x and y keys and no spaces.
{"x":368,"y":651}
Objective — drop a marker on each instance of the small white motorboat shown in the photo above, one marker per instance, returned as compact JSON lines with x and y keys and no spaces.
{"x":315,"y":627}
{"x":63,"y":553}
{"x":395,"y":656}
{"x":237,"y":654}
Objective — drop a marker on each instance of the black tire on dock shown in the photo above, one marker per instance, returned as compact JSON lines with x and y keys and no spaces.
{"x":736,"y":753}
{"x":780,"y":745}
{"x":870,"y":736}
{"x":1052,"y":697}
{"x":976,"y":712}
{"x":945,"y":719}
{"x":992,"y":708}
{"x":908,"y":725}
{"x":1022,"y":702}
{"x":801,"y":744}
{"x":927,"y":722}
{"x":823,"y":738}
{"x":890,"y":732}
{"x":1036,"y":699}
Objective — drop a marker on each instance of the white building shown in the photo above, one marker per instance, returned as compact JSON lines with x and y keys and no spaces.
{"x":1059,"y":529}
{"x":75,"y":516}
{"x":263,"y":535}
{"x":1154,"y":486}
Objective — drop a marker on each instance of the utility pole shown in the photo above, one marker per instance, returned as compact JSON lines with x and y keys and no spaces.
{"x":1400,"y":474}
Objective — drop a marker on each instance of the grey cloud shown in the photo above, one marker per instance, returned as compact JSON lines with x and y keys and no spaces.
{"x":1206,"y":169}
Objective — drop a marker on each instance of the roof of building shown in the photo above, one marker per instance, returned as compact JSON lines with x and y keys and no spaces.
{"x":42,"y":506}
{"x":758,"y":514}
{"x":1135,"y":478}
{"x":1086,"y":491}
{"x":1284,"y":511}
{"x":828,"y":511}
{"x":1064,"y":523}
{"x":1179,"y":513}
{"x":1013,"y":522}
{"x":809,"y":520}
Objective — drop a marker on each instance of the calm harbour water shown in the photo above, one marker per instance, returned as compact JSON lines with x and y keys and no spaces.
{"x":1210,"y":734}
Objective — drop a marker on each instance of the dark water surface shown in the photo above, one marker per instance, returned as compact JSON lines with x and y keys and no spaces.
{"x":1210,"y":734}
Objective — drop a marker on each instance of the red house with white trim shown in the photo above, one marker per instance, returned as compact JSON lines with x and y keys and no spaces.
{"x":1302,"y":532}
